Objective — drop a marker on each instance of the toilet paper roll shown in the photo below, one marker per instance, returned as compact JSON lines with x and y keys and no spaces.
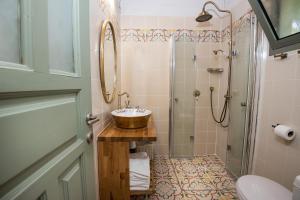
{"x":285,"y":132}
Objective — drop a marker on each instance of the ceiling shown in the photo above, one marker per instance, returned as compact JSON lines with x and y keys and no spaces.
{"x":169,"y":7}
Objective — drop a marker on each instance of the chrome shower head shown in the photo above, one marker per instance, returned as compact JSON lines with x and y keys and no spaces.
{"x":203,"y":16}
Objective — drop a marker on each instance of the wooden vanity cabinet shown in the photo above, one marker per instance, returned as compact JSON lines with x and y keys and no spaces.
{"x":113,"y":159}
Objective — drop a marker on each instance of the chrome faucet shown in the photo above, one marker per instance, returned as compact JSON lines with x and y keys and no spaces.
{"x":119,"y":99}
{"x":138,"y":109}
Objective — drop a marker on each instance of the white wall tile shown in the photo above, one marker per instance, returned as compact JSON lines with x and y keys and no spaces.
{"x":276,"y":158}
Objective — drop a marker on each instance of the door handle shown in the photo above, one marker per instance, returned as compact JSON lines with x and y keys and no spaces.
{"x":91,"y":119}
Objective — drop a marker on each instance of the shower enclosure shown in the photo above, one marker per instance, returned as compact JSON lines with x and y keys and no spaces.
{"x":182,"y":112}
{"x":190,"y":100}
{"x":242,"y":82}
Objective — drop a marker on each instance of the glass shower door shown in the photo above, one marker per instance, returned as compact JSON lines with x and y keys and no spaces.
{"x":239,"y":91}
{"x":183,"y":100}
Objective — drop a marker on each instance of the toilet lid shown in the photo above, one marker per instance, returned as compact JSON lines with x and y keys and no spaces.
{"x":252,"y":187}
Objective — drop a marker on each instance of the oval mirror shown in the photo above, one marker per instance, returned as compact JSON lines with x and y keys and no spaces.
{"x":108,"y":61}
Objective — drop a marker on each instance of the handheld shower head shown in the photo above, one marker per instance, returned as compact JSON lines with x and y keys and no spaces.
{"x":203,"y":17}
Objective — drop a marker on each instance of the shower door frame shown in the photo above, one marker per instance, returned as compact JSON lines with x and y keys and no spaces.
{"x":171,"y":100}
{"x":253,"y":91}
{"x":257,"y":54}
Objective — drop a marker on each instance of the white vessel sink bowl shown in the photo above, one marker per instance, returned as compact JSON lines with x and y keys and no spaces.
{"x":131,"y":118}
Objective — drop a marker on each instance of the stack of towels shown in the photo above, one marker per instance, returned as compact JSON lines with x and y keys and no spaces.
{"x":139,"y":171}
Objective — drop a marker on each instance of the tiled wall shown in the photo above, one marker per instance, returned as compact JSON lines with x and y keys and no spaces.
{"x":146,"y":65}
{"x":99,"y":11}
{"x":166,"y":7}
{"x":145,"y":75}
{"x":205,"y":127}
{"x":280,"y":103}
{"x":194,"y":117}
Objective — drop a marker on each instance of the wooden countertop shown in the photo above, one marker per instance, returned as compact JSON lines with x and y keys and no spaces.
{"x":114,"y":134}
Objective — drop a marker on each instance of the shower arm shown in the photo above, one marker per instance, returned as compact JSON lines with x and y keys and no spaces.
{"x":227,"y":96}
{"x":216,"y":6}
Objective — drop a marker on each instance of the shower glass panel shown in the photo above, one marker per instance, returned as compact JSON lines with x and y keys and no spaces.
{"x":183,"y":100}
{"x":238,"y":105}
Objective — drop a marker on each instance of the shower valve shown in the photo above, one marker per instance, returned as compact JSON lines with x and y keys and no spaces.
{"x":228,"y":97}
{"x":196,"y":93}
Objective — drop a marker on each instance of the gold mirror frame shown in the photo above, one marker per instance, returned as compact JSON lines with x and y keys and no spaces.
{"x":108,"y":97}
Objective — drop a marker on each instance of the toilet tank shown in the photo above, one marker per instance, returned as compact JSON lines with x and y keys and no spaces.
{"x":296,"y":188}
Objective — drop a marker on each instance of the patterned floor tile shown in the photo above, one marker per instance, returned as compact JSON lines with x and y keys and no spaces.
{"x":167,"y":188}
{"x":223,"y":182}
{"x":216,"y":170}
{"x":204,"y":195}
{"x":195,"y":184}
{"x":201,"y":160}
{"x":162,"y":169}
{"x":186,"y":168}
{"x":228,"y":195}
{"x":199,"y":178}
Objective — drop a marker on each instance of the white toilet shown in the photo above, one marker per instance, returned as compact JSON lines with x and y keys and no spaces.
{"x":251,"y":187}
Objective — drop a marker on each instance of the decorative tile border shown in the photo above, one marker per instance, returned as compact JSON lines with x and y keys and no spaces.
{"x":238,"y":25}
{"x":243,"y":21}
{"x":163,"y":35}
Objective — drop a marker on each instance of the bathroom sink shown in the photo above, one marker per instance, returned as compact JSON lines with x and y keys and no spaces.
{"x":131,"y":118}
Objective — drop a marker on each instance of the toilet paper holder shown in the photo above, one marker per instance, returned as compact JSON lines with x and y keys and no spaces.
{"x":290,"y":134}
{"x":274,"y":126}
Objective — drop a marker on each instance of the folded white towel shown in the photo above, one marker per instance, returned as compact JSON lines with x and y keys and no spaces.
{"x":140,"y":166}
{"x":132,"y":179}
{"x":136,"y":183}
{"x":139,"y":171}
{"x":139,"y":155}
{"x":139,"y":188}
{"x":139,"y":179}
{"x":138,"y":175}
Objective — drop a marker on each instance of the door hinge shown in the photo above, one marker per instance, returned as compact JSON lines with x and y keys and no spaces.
{"x":228,"y":147}
{"x":194,"y":58}
{"x":191,"y":138}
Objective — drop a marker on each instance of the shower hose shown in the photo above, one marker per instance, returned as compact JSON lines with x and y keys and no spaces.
{"x":224,"y":109}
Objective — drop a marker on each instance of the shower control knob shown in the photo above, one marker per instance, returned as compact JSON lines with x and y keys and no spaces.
{"x":243,"y":104}
{"x":196,"y":93}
